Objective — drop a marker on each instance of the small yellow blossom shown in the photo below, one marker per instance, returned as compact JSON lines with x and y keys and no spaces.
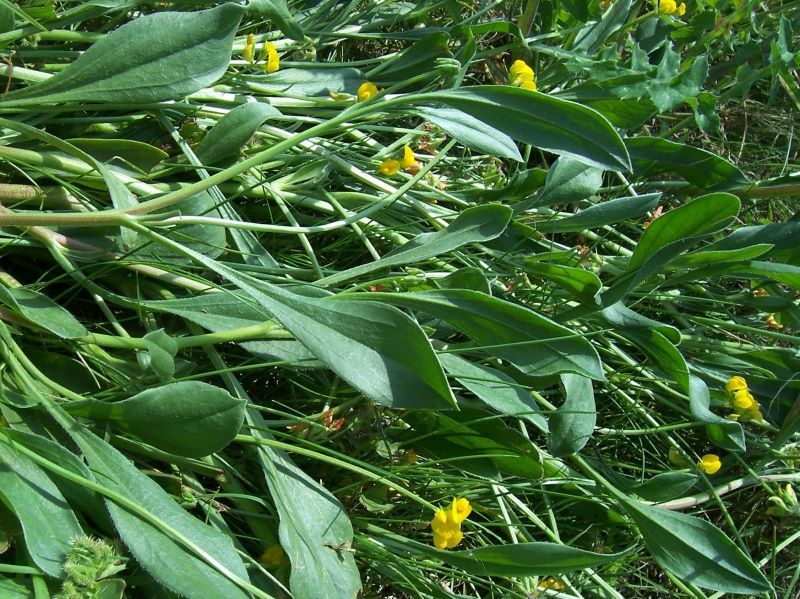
{"x":736,"y":383}
{"x":366,"y":91}
{"x":273,"y":556}
{"x":249,"y":51}
{"x":667,"y":7}
{"x":521,"y":75}
{"x":710,"y":463}
{"x":273,"y":60}
{"x":551,"y":584}
{"x":772,"y":323}
{"x":389,"y":167}
{"x":446,"y":523}
{"x":681,"y":9}
{"x":408,"y":161}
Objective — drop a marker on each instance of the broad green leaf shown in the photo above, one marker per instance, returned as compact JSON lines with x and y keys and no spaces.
{"x":568,"y":181}
{"x":653,"y":155}
{"x":163,"y":556}
{"x":310,"y":81}
{"x":783,"y":237}
{"x":377,"y":349}
{"x":580,"y":283}
{"x":314,"y":528}
{"x":603,"y":213}
{"x":554,"y":125}
{"x":572,"y":425}
{"x":156,"y":57}
{"x":472,"y":132}
{"x":494,"y":388}
{"x":695,"y":550}
{"x":160,"y":356}
{"x":233,"y":131}
{"x":509,"y":560}
{"x":278,"y":12}
{"x":702,"y":216}
{"x":46,"y":518}
{"x":662,"y":352}
{"x":705,"y":257}
{"x":663,"y":486}
{"x":475,"y":444}
{"x":473,"y":225}
{"x":624,"y":318}
{"x":725,"y":433}
{"x":788,"y":274}
{"x":42,"y":311}
{"x":533,"y":343}
{"x":188,"y":418}
{"x":415,"y":60}
{"x":466,"y":278}
{"x":11,"y":589}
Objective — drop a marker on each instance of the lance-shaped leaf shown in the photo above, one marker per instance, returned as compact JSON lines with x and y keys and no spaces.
{"x":163,"y":56}
{"x":555,"y":125}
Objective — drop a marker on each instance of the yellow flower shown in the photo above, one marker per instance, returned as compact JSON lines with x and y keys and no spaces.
{"x":273,"y":556}
{"x":736,"y":383}
{"x":681,"y":9}
{"x":710,"y":463}
{"x":552,"y":584}
{"x":744,"y":400}
{"x":408,"y":160}
{"x":249,"y":52}
{"x":521,"y":75}
{"x":667,"y":7}
{"x":389,"y":167}
{"x":273,"y":60}
{"x":366,"y":91}
{"x":772,"y":323}
{"x":446,"y":523}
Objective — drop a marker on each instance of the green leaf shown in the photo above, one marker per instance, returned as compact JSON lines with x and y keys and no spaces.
{"x":233,"y":131}
{"x":377,"y":349}
{"x":653,"y":155}
{"x":572,"y":425}
{"x":568,"y":181}
{"x":473,"y":225}
{"x":494,"y":388}
{"x":314,"y":529}
{"x":626,"y":319}
{"x":158,"y":550}
{"x":509,"y":560}
{"x":695,"y":551}
{"x":702,"y":216}
{"x":580,"y":283}
{"x":157,"y":57}
{"x":603,"y":213}
{"x":43,"y":312}
{"x":310,"y":81}
{"x":662,"y":352}
{"x":278,"y":12}
{"x":590,"y":39}
{"x":532,"y":343}
{"x":160,"y":356}
{"x":471,"y":132}
{"x":415,"y":60}
{"x":725,"y":433}
{"x":664,"y":486}
{"x":706,"y":257}
{"x":47,"y":520}
{"x":187,"y":418}
{"x":554,"y":125}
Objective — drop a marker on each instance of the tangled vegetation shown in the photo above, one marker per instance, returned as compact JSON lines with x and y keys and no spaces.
{"x":393,"y":299}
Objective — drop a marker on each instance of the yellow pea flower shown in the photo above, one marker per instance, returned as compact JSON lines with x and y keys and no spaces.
{"x":531,"y":85}
{"x":389,"y":167}
{"x":408,"y":161}
{"x":366,"y":91}
{"x":736,"y":383}
{"x":667,"y":7}
{"x":249,"y":51}
{"x":681,"y":9}
{"x":710,"y":463}
{"x":273,"y":60}
{"x":446,"y":524}
{"x":552,"y":584}
{"x":521,"y":75}
{"x":744,"y":400}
